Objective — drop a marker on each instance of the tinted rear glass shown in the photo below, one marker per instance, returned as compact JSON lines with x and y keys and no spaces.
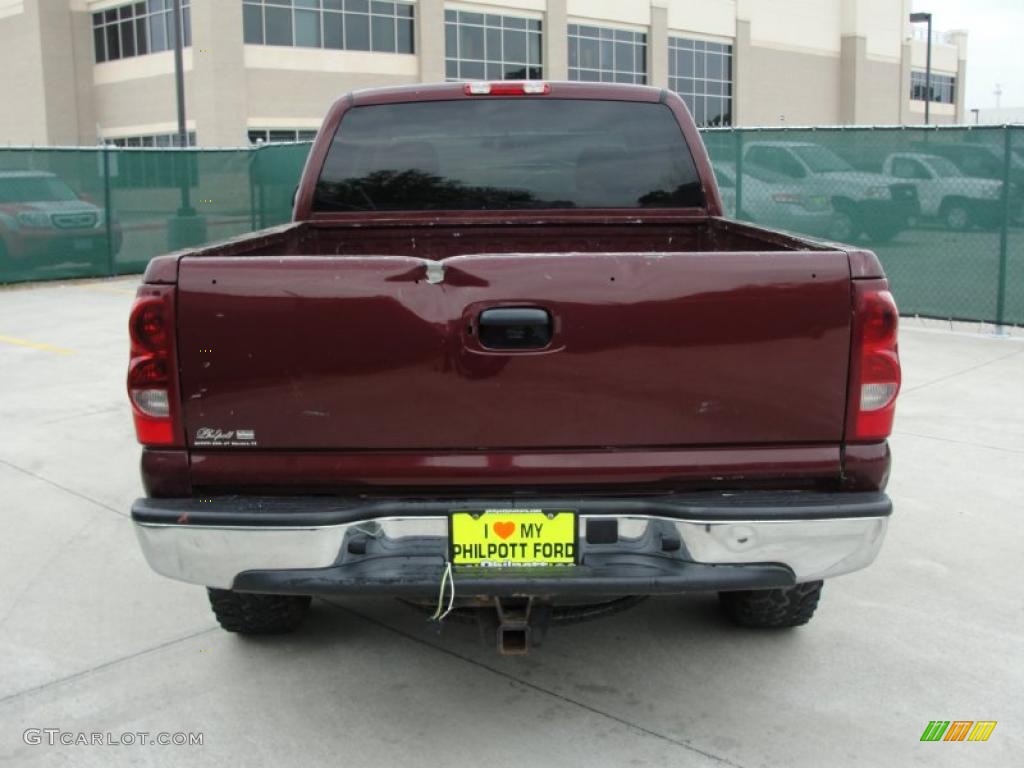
{"x":502,"y":154}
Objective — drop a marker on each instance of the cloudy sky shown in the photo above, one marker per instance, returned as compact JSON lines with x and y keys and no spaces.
{"x":995,"y":46}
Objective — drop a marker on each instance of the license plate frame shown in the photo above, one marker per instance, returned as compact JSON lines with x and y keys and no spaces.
{"x":527,"y":545}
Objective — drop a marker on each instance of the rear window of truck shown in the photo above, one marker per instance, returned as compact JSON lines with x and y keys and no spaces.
{"x":502,"y":154}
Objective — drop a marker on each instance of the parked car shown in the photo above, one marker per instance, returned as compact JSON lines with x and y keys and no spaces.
{"x":43,"y":221}
{"x":984,"y":161}
{"x":773,"y":200}
{"x":509,"y":360}
{"x":864,"y":202}
{"x":946,"y":193}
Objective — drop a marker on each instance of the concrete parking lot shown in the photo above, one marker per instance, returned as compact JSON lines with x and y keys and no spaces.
{"x":92,"y":641}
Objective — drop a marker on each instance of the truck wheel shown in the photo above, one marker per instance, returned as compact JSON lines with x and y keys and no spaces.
{"x":842,"y":228}
{"x":772,"y":608}
{"x":251,"y":614}
{"x":8,"y":266}
{"x":956,"y":216}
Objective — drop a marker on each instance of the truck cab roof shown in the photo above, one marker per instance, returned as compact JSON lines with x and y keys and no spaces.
{"x":556,"y":89}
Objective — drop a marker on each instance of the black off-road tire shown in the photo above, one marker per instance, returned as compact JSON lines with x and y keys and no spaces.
{"x":252,"y":614}
{"x":772,"y":608}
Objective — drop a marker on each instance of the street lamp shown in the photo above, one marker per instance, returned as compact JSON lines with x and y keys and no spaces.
{"x":917,"y":18}
{"x":179,"y":87}
{"x":186,"y":227}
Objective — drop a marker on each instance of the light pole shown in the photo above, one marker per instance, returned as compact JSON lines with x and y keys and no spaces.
{"x":917,"y":18}
{"x":186,"y":228}
{"x":179,"y":87}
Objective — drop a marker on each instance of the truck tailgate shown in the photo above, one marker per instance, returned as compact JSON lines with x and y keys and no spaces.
{"x":384,"y":353}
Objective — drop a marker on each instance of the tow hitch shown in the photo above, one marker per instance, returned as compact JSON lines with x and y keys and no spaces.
{"x":514,"y":624}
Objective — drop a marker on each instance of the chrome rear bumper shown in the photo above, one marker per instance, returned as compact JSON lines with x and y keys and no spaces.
{"x":663,"y":544}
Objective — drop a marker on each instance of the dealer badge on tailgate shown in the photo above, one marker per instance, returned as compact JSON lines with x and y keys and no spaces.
{"x":513,"y":537}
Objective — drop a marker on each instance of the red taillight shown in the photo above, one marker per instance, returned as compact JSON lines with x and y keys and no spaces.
{"x":874,"y":362}
{"x":148,"y":327}
{"x":151,"y":385}
{"x":147,"y":372}
{"x":507,"y":88}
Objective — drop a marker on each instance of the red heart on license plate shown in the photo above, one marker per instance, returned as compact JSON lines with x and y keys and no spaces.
{"x":504,"y":530}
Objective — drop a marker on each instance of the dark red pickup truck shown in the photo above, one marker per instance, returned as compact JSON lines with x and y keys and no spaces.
{"x":509,"y":360}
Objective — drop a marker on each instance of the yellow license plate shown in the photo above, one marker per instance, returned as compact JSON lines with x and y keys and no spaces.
{"x":511,"y":537}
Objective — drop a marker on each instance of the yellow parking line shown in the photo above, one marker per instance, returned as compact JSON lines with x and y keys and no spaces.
{"x":109,"y":289}
{"x":36,"y":345}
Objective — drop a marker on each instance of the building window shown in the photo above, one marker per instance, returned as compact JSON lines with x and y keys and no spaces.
{"x":701,"y":72}
{"x":352,"y":25}
{"x":136,"y":29}
{"x":280,"y":135}
{"x":598,"y":54}
{"x":943,"y":88}
{"x":482,"y":46}
{"x":151,"y":140}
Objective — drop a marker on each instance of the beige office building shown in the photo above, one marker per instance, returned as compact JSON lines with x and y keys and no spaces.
{"x":83,"y":71}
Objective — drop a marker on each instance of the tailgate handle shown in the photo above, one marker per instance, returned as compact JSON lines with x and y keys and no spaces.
{"x":515,"y":328}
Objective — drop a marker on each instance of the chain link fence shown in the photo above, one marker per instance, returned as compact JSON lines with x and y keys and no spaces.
{"x":100,"y":211}
{"x":942,"y":207}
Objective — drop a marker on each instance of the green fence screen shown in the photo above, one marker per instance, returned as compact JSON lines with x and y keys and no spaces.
{"x":942,"y":207}
{"x":107,"y":210}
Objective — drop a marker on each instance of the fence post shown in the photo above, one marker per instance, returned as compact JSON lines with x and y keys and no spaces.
{"x":106,"y":210}
{"x":252,"y":189}
{"x":1004,"y":230}
{"x":739,"y":172}
{"x":261,"y":187}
